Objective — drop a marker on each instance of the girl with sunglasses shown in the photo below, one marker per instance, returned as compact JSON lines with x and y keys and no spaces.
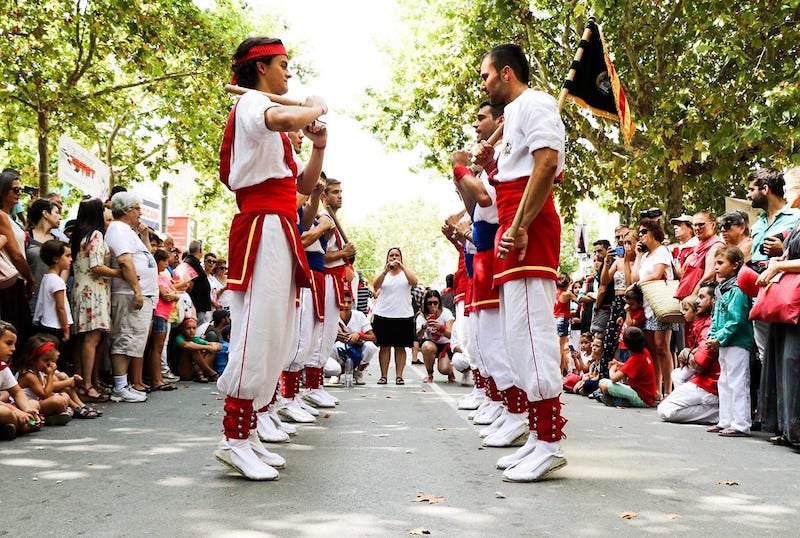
{"x":434,"y":327}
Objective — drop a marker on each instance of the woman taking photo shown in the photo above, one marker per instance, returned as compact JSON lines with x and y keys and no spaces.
{"x":654,"y":262}
{"x":91,"y":292}
{"x":434,"y":327}
{"x":393,"y":317}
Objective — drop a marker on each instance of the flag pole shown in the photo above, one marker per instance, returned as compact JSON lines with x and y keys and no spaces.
{"x":562,"y":97}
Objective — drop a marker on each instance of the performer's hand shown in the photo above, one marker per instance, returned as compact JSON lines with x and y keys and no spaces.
{"x":349,"y":249}
{"x":460,"y":156}
{"x":319,"y":186}
{"x":483,"y":153}
{"x":518,"y":242}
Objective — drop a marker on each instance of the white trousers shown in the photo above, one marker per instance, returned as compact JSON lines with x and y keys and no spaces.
{"x":309,"y":330}
{"x":734,"y":388}
{"x":529,"y":331}
{"x":487,"y":330}
{"x":688,"y":403}
{"x":330,"y":327}
{"x":263,"y":321}
{"x":334,"y":364}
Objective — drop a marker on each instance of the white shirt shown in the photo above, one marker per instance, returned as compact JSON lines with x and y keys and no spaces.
{"x":45,"y":313}
{"x":358,"y":322}
{"x":257,"y":152}
{"x":442,"y":319}
{"x":394,"y":300}
{"x":486,"y":214}
{"x":648,"y":266}
{"x":531,"y":122}
{"x":7,"y":379}
{"x":121,"y":239}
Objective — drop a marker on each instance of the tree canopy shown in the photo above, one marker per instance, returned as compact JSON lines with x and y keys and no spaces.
{"x":713,"y":87}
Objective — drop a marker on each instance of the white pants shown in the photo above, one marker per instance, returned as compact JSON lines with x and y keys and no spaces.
{"x":309,"y":329}
{"x":688,"y":403}
{"x":263,"y":321}
{"x":330,"y":327}
{"x":486,"y":330}
{"x":334,"y":364}
{"x":529,"y":331}
{"x":734,"y":389}
{"x":680,"y":376}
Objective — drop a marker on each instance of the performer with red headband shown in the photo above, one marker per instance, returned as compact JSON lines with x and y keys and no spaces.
{"x":532,"y":151}
{"x":266,"y":258}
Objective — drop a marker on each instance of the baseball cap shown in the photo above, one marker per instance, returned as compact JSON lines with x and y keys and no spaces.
{"x":683,"y":218}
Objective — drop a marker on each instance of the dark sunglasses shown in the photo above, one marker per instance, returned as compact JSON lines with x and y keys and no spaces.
{"x":16,"y":190}
{"x":432,"y":303}
{"x":641,"y":233}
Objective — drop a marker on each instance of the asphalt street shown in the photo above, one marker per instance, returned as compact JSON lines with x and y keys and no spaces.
{"x":390,"y":461}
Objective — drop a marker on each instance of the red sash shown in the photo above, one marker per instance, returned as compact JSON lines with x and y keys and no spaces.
{"x":483,"y":296}
{"x":460,"y":280}
{"x":318,"y":293}
{"x":544,"y":237}
{"x":339,"y":274}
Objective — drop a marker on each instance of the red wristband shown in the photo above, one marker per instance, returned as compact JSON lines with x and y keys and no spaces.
{"x":442,"y":328}
{"x":362,"y":336}
{"x":459,"y":171}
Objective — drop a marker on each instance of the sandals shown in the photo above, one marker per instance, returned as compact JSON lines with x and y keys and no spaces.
{"x":85,"y":411}
{"x":87,"y":396}
{"x":213,"y":378}
{"x":730,"y":432}
{"x":427,"y":379}
{"x":399,"y":381}
{"x":146,"y":389}
{"x":200,"y":378}
{"x":382,"y":381}
{"x":165,"y":387}
{"x":714,"y":429}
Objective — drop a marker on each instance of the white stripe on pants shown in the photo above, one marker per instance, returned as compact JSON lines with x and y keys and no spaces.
{"x":309,"y":329}
{"x":263,"y":321}
{"x":330,"y":327}
{"x":529,"y":331}
{"x":491,"y":349}
{"x":734,"y":388}
{"x":688,"y":403}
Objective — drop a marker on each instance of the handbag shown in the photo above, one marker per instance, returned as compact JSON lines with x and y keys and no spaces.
{"x":8,"y":273}
{"x":660,"y":295}
{"x":779,"y":301}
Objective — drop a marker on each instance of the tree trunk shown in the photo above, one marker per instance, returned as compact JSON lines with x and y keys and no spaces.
{"x":674,"y":197}
{"x":43,"y":130}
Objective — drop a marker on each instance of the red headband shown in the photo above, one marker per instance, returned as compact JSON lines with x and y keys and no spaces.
{"x":261,"y":51}
{"x":44,"y":348}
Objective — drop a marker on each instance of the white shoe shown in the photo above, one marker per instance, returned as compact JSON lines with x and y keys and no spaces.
{"x":512,"y":459}
{"x":511,"y":433}
{"x":238,"y":454}
{"x":358,"y":377}
{"x":489,"y":414}
{"x":268,"y":431}
{"x":481,"y":407}
{"x":317,"y":398}
{"x":293,"y":412}
{"x":546,"y":458}
{"x":283,"y":426}
{"x":169,"y":377}
{"x":334,"y":380}
{"x":472,"y":400}
{"x":494,"y":426}
{"x":128,"y":395}
{"x":465,"y":379}
{"x":310,"y":409}
{"x":270,"y":458}
{"x":330,"y":396}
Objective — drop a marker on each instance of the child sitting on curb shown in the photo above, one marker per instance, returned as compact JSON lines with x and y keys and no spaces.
{"x":638,"y":373}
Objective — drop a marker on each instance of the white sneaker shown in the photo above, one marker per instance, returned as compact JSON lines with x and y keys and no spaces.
{"x":270,"y":458}
{"x":472,"y":400}
{"x":284,"y":427}
{"x":512,"y":459}
{"x":317,"y":398}
{"x":358,"y":377}
{"x":128,"y":395}
{"x":334,"y":380}
{"x":268,"y":431}
{"x":489,"y":414}
{"x":465,"y":378}
{"x":330,"y":396}
{"x":511,"y":433}
{"x":546,"y":458}
{"x":494,"y":426}
{"x":169,"y":376}
{"x":310,"y":409}
{"x":293,"y":412}
{"x":238,"y":454}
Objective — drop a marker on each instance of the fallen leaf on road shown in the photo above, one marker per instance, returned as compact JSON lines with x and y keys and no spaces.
{"x":419,"y":531}
{"x":326,"y":415}
{"x":428,"y":498}
{"x":383,"y":435}
{"x":409,"y":451}
{"x":727,"y":483}
{"x":627,"y":515}
{"x":388,"y":397}
{"x":673,"y":516}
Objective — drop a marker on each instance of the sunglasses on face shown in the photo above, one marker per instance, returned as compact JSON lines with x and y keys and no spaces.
{"x":16,"y":190}
{"x":641,"y":233}
{"x":434,"y":303}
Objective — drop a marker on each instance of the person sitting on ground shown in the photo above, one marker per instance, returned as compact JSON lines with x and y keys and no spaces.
{"x":592,"y":350}
{"x":696,"y":401}
{"x":634,"y":317}
{"x":639,"y":389}
{"x":212,"y":332}
{"x":355,"y":340}
{"x":434,"y":326}
{"x":23,"y":415}
{"x":193,"y":350}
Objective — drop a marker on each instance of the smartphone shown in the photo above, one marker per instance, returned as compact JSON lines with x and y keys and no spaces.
{"x":619,"y":251}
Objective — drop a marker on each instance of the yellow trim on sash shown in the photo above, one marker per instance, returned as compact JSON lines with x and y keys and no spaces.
{"x":487,"y":301}
{"x":513,"y":270}
{"x":247,"y":251}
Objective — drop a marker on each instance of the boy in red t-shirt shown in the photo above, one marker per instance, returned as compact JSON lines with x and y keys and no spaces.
{"x":638,"y":372}
{"x":634,"y":317}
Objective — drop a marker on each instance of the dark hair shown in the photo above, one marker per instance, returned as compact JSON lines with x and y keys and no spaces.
{"x":30,"y":347}
{"x":394,"y":248}
{"x":605,"y":242}
{"x":428,"y":294}
{"x":635,"y":294}
{"x":6,"y":326}
{"x":496,"y":110}
{"x":160,"y":255}
{"x":37,"y":209}
{"x":562,"y":282}
{"x":219,"y":315}
{"x":7,"y":177}
{"x":448,"y":280}
{"x":737,"y":217}
{"x":246,"y":73}
{"x":512,"y":56}
{"x":733,"y":254}
{"x":330,"y":182}
{"x":770,"y":177}
{"x":654,"y":228}
{"x":51,"y":250}
{"x":633,"y":337}
{"x":711,"y":285}
{"x":90,"y":219}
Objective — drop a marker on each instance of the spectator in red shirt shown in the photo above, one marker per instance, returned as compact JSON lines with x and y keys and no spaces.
{"x":639,"y":389}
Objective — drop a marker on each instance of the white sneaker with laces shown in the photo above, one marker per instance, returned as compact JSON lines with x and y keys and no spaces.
{"x":270,"y":458}
{"x":510,"y":433}
{"x":494,"y":426}
{"x":294,"y":412}
{"x":546,"y":458}
{"x":489,"y":414}
{"x":238,"y":454}
{"x":512,"y":459}
{"x":268,"y":431}
{"x":317,"y":398}
{"x":128,"y":395}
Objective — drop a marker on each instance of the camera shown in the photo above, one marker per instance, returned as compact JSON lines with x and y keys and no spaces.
{"x":641,"y":247}
{"x":31,"y":191}
{"x":651,"y":213}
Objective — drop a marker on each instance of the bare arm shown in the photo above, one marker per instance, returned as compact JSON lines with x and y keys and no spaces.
{"x":128,"y":271}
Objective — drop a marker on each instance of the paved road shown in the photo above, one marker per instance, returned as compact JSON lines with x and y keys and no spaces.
{"x":148,"y":469}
